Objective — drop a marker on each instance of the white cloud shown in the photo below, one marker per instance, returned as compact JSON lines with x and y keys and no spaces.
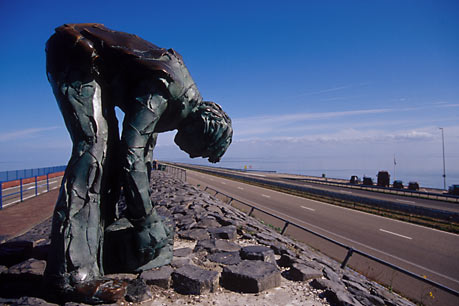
{"x":26,"y":133}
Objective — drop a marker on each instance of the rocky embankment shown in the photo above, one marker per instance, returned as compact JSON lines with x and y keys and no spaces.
{"x":221,"y":257}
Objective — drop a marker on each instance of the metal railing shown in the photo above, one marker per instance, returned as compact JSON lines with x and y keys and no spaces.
{"x":18,"y":179}
{"x":179,"y":173}
{"x":13,"y":175}
{"x":411,"y":210}
{"x":350,"y":250}
{"x":375,"y":188}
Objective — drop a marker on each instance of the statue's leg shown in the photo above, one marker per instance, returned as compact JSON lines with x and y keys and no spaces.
{"x":153,"y":241}
{"x":77,"y":231}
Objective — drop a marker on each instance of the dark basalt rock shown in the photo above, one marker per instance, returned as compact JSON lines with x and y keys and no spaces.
{"x":225,"y":232}
{"x":194,"y":280}
{"x":159,"y":277}
{"x":300,"y":272}
{"x":216,"y":245}
{"x":251,"y":276}
{"x":258,"y":252}
{"x":182,"y":252}
{"x":226,"y":258}
{"x":138,"y":291}
{"x":31,"y":269}
{"x":26,"y":301}
{"x":14,"y":252}
{"x":194,"y":234}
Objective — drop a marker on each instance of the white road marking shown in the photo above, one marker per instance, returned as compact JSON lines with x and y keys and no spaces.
{"x":211,"y":179}
{"x":256,"y":174}
{"x":223,"y":183}
{"x":266,"y":196}
{"x":345,"y":191}
{"x":392,"y":233}
{"x":406,"y":201}
{"x":308,"y":208}
{"x":240,"y":188}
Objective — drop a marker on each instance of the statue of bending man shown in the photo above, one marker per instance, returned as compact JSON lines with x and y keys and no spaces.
{"x":93,"y":69}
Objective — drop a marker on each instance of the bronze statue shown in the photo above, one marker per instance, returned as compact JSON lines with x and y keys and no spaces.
{"x":92,"y":70}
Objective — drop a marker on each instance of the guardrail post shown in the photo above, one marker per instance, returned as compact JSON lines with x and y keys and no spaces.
{"x":1,"y":195}
{"x":229,"y":202}
{"x":47,"y":182}
{"x":20,"y":187}
{"x":251,"y":211}
{"x":36,"y":186}
{"x":285,"y":227}
{"x":348,"y":256}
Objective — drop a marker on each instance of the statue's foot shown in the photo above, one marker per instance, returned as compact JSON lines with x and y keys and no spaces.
{"x":95,"y":291}
{"x":99,"y":291}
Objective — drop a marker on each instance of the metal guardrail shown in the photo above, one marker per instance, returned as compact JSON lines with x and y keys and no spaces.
{"x":405,"y":192}
{"x":350,"y":250}
{"x":13,"y":175}
{"x":179,"y":173}
{"x":21,"y":175}
{"x":414,"y":210}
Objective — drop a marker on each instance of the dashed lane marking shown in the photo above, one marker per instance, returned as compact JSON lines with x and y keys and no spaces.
{"x":395,"y":234}
{"x":308,"y":208}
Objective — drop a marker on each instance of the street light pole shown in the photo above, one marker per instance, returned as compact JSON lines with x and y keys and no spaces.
{"x":444,"y":169}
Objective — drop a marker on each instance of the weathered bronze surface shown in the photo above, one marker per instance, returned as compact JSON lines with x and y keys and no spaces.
{"x":93,"y":69}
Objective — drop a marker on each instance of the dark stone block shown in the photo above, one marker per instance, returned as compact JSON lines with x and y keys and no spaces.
{"x":182,"y":252}
{"x":30,"y":301}
{"x":194,"y":234}
{"x":138,"y":291}
{"x":14,"y":252}
{"x":160,"y":277}
{"x":226,"y":258}
{"x":194,"y":280}
{"x":286,"y":261}
{"x":258,"y":252}
{"x":208,"y":222}
{"x":216,"y":245}
{"x":300,"y":272}
{"x":31,"y":269}
{"x":178,"y":262}
{"x":251,"y":276}
{"x":224,"y":232}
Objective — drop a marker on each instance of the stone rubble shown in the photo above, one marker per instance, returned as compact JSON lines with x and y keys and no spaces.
{"x":221,"y":257}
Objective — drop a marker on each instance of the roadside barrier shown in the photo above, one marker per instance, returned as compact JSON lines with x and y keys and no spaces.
{"x":19,"y":179}
{"x":350,"y":250}
{"x":447,"y":216}
{"x":175,"y":171}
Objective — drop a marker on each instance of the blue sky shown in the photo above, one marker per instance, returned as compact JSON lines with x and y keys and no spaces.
{"x":310,"y":85}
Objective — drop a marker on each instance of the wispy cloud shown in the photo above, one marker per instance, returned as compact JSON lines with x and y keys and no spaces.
{"x":26,"y":133}
{"x":350,"y":135}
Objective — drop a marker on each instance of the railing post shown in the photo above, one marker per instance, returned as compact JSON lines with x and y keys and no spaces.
{"x":36,"y":186}
{"x":47,"y":182}
{"x":1,"y":195}
{"x":251,"y":211}
{"x":285,"y":227}
{"x":229,"y":202}
{"x":348,"y":255}
{"x":20,"y":187}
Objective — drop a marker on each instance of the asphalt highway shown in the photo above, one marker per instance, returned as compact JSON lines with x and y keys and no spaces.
{"x":421,"y":250}
{"x":351,"y":190}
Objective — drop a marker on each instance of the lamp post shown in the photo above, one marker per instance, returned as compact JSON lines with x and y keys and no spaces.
{"x":443,"y":146}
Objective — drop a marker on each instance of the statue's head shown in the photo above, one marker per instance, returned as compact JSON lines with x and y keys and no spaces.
{"x":206,"y":132}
